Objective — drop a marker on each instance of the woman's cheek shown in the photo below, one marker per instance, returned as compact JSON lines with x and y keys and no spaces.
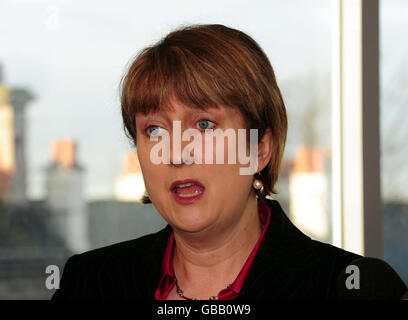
{"x":147,"y":166}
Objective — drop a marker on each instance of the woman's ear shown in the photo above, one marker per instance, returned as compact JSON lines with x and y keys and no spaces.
{"x":265,"y":150}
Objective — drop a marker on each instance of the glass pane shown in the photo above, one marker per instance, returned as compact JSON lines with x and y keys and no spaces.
{"x":394,"y":132}
{"x":301,"y":56}
{"x":68,"y":176}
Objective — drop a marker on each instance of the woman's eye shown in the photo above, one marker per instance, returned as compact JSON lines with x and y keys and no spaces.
{"x":154,"y":130}
{"x":205,"y":124}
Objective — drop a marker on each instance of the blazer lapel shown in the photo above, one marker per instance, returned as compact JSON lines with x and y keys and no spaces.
{"x":152,"y":262}
{"x":284,"y":250}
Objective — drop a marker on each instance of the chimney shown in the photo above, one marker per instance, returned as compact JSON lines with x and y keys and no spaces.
{"x":63,"y":152}
{"x":308,"y":160}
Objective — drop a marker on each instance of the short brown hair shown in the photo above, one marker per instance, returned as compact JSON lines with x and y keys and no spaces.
{"x":205,"y":66}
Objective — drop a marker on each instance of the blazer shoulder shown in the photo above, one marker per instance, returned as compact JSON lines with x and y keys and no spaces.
{"x":97,"y":273}
{"x":330,"y":254}
{"x":329,"y":266}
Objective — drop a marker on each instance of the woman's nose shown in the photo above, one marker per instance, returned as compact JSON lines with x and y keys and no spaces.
{"x":179,"y":154}
{"x":175,"y":152}
{"x":175,"y":164}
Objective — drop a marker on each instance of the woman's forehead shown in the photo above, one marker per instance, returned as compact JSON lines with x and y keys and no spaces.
{"x":181,"y":108}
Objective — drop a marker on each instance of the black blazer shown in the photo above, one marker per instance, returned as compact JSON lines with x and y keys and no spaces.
{"x":289,"y":265}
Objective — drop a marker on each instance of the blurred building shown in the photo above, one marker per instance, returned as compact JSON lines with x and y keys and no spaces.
{"x":13,"y":162}
{"x":395,"y":226}
{"x":129,"y":184}
{"x":19,"y":99}
{"x":112,"y":221}
{"x":309,"y":192}
{"x":283,"y":196}
{"x":7,"y":162}
{"x":65,"y":196}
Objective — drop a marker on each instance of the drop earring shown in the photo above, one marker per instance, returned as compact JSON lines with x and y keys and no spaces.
{"x":258,"y":185}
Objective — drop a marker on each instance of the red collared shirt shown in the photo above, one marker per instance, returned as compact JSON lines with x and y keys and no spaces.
{"x":168,"y":279}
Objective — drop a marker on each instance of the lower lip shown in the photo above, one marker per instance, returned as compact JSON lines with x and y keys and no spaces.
{"x":187,"y":200}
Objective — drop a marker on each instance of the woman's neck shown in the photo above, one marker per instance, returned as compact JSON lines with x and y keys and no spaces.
{"x":206,"y":263}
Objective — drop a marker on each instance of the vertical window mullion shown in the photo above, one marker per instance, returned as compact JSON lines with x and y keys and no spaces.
{"x":356,"y":185}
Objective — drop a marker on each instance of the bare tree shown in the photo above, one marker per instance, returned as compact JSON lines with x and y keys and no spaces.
{"x":308,"y":108}
{"x":394,"y":131}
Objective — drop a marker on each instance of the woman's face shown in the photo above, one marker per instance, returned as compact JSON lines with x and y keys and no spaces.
{"x":219,"y":193}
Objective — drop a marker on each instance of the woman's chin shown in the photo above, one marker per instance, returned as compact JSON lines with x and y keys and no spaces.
{"x":191,"y":222}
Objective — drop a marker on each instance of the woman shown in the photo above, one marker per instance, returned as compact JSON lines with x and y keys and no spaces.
{"x":225,"y":238}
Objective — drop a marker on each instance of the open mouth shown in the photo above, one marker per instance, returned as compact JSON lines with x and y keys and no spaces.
{"x":187,"y":190}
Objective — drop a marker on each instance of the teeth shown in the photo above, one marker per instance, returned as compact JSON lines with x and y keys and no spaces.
{"x":185,"y":185}
{"x":186,"y":195}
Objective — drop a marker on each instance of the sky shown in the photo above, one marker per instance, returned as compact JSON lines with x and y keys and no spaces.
{"x":72,"y":54}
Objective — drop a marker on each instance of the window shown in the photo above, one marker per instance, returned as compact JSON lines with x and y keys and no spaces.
{"x":394,"y":133}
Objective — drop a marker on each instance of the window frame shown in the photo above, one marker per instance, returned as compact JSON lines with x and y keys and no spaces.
{"x":356,"y":196}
